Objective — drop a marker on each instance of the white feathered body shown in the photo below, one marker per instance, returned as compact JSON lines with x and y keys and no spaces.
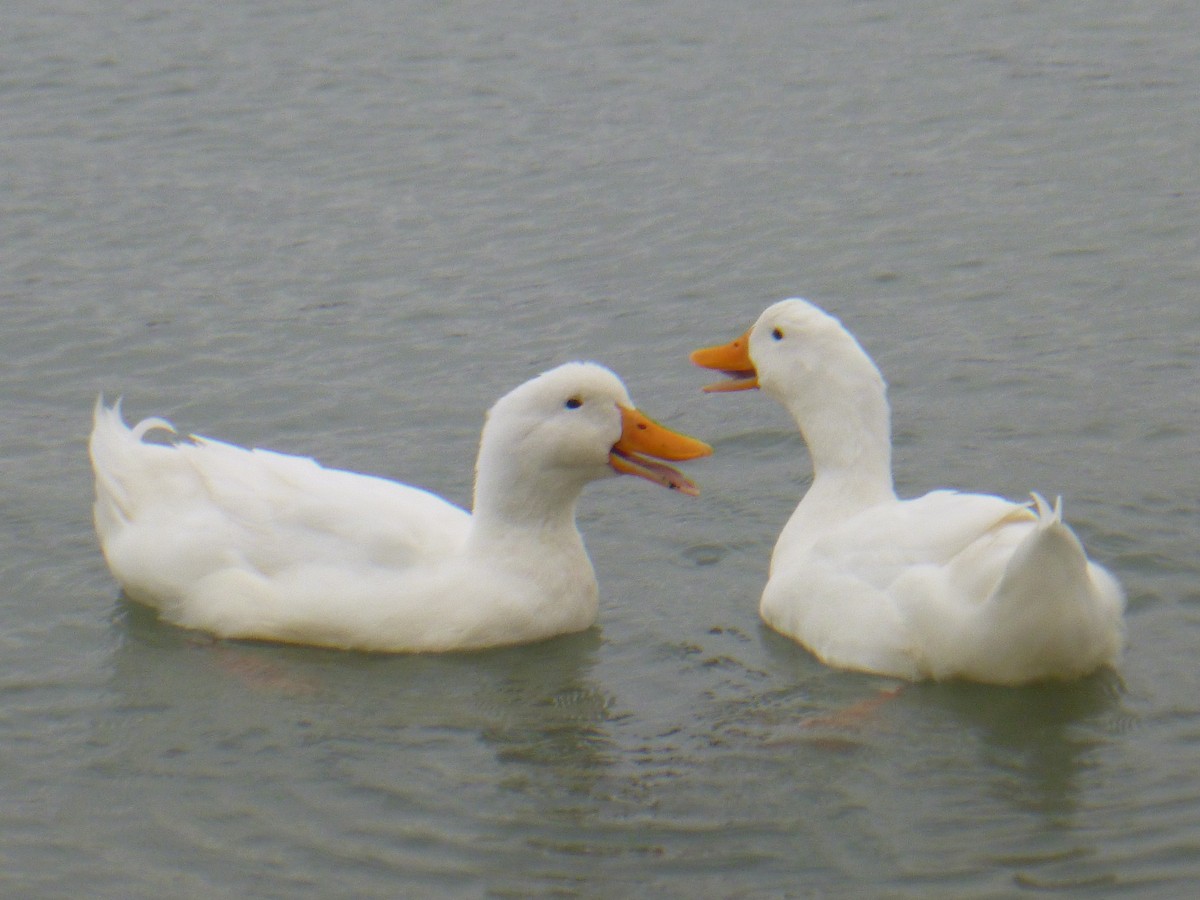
{"x":258,"y":544}
{"x":948,"y":585}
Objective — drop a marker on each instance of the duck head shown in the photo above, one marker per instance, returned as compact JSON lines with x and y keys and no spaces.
{"x":795,"y":352}
{"x":572,"y":425}
{"x":805,"y":360}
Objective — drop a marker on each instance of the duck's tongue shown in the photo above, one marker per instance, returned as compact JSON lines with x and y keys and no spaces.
{"x":642,"y":437}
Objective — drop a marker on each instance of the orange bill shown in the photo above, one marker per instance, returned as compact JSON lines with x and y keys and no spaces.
{"x":734,"y":360}
{"x":642,"y":437}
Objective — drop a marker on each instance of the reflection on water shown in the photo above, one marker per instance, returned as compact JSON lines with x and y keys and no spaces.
{"x":196,"y":727}
{"x":1032,"y":738}
{"x":511,"y":697}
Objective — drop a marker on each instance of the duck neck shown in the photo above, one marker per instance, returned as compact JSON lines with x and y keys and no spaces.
{"x":511,"y":501}
{"x":848,"y":434}
{"x":530,"y":535}
{"x":523,"y":525}
{"x":850,"y":448}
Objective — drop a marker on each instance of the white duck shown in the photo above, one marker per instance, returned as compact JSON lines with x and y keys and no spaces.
{"x":255,"y":544}
{"x":948,"y":585}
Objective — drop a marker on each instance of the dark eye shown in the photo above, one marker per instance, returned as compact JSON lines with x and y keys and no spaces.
{"x":777,"y":333}
{"x":573,"y":403}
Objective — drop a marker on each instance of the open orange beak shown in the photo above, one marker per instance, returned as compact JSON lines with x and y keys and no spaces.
{"x":734,"y":360}
{"x":642,"y":435}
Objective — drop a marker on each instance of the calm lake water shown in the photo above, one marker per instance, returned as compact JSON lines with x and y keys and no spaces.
{"x":342,"y":229}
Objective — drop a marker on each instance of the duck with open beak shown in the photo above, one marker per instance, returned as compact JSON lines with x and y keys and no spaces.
{"x":734,"y":360}
{"x":641,"y":437}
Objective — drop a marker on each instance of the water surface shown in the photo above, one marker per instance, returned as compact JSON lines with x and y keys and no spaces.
{"x":342,"y":229}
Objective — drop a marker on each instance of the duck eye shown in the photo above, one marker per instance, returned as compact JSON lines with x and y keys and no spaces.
{"x":573,"y":403}
{"x":777,"y":333}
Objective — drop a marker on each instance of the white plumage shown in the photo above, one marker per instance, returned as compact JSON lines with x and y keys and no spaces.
{"x":948,"y":585}
{"x":257,"y":544}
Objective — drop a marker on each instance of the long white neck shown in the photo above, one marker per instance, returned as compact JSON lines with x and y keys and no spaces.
{"x":848,"y":434}
{"x":846,"y":424}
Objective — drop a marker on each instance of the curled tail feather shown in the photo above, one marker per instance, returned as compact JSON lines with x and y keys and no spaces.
{"x":108,"y":446}
{"x":1047,"y":514}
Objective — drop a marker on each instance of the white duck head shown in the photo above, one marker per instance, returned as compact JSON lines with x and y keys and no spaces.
{"x":805,"y":359}
{"x":545,"y":440}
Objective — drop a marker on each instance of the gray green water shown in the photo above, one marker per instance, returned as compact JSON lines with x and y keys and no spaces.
{"x":342,"y":229}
